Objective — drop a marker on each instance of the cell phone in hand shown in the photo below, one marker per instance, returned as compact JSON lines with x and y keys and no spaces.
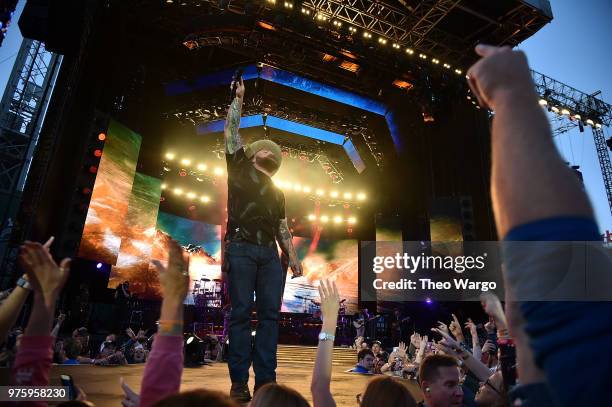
{"x":67,"y":382}
{"x":395,"y":349}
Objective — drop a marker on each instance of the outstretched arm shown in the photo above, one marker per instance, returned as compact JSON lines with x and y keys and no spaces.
{"x":321,"y":375}
{"x":232,"y":121}
{"x":285,"y":241}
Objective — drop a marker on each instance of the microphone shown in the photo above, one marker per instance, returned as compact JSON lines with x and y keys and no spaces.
{"x":235,"y":81}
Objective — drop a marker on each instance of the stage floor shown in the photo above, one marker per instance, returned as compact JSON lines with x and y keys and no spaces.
{"x":101,"y":383}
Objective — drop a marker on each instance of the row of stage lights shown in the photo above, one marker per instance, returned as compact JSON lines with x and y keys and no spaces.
{"x":567,"y":112}
{"x":322,"y":18}
{"x":351,"y":220}
{"x":202,"y":167}
{"x":348,"y":196}
{"x":188,"y":194}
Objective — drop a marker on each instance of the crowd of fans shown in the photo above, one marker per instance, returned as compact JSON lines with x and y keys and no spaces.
{"x":528,"y":353}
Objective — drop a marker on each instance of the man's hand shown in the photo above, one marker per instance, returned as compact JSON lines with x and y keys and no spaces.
{"x":45,"y":276}
{"x":239,"y":88}
{"x":488,"y":347}
{"x":296,"y":268}
{"x":443,"y":327}
{"x":330,"y":303}
{"x":492,"y":306}
{"x":415,"y":339}
{"x":401,"y":350}
{"x":174,"y":278}
{"x":500,"y":71}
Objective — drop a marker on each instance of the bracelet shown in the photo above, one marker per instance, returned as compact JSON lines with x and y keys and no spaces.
{"x":23,"y":283}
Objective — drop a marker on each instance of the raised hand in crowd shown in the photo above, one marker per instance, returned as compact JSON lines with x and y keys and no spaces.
{"x":321,"y":375}
{"x":455,"y":329}
{"x":401,"y":351}
{"x":454,"y":348}
{"x":442,"y":326}
{"x":12,"y":304}
{"x":492,"y":306}
{"x":488,"y":347}
{"x":471,"y":326}
{"x":415,"y":339}
{"x":174,"y":281}
{"x":130,"y":397}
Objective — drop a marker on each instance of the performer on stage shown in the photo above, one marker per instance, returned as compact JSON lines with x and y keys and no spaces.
{"x":256,"y":220}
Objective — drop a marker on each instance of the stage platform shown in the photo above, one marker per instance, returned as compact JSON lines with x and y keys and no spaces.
{"x":295,"y":365}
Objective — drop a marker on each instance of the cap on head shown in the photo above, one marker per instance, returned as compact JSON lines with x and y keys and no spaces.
{"x":259,"y":145}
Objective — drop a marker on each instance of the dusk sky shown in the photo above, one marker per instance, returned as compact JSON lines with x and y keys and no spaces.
{"x":574,"y":49}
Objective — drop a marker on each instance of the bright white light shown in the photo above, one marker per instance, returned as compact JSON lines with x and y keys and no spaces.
{"x":205,"y":199}
{"x":348,"y":195}
{"x":164,"y":186}
{"x":320,"y":192}
{"x":191,"y":195}
{"x":297,"y":187}
{"x":554,"y":109}
{"x":543,"y":102}
{"x":170,"y":156}
{"x":352,"y":220}
{"x":312,"y":217}
{"x":589,"y":121}
{"x":202,"y":167}
{"x":565,"y":112}
{"x":186,"y":161}
{"x":458,"y":71}
{"x":361,"y":196}
{"x":577,"y":117}
{"x":218,"y":171}
{"x":178,"y":191}
{"x":337,"y":219}
{"x":333,"y":194}
{"x":598,"y":126}
{"x":409,"y":51}
{"x":306,"y":189}
{"x":324,"y":219}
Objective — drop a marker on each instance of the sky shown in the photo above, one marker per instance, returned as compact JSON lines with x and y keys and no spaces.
{"x":574,"y":49}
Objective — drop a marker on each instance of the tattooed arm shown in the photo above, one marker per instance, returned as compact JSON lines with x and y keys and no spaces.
{"x":232,"y":122}
{"x":284,"y":240}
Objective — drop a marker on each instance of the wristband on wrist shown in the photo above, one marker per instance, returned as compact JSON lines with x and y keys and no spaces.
{"x":170,"y":327}
{"x":23,"y":283}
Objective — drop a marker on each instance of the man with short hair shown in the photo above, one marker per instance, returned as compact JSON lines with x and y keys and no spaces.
{"x":256,"y":221}
{"x":439,"y":380}
{"x":365,"y":362}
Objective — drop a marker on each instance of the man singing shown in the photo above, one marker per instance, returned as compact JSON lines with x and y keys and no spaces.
{"x":256,"y":220}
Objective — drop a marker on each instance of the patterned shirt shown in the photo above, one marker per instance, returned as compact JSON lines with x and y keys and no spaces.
{"x":255,"y":206}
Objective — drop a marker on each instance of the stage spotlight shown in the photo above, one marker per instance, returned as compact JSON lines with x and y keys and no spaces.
{"x":194,"y":351}
{"x":164,"y":186}
{"x":186,"y":161}
{"x":101,"y":136}
{"x":320,"y":192}
{"x":428,"y":301}
{"x":597,"y":125}
{"x":458,"y":71}
{"x":170,"y":156}
{"x":305,"y":11}
{"x":190,"y":195}
{"x":352,"y":29}
{"x":99,"y":266}
{"x":333,"y":194}
{"x":543,"y":102}
{"x":97,"y":153}
{"x":367,"y":34}
{"x":202,"y":167}
{"x":337,"y":219}
{"x":288,"y":5}
{"x":253,"y":333}
{"x":577,"y":117}
{"x":382,"y":41}
{"x":589,"y":122}
{"x":554,"y":109}
{"x":352,"y":220}
{"x":324,"y":219}
{"x":178,"y":191}
{"x":435,"y":61}
{"x":447,"y":66}
{"x":348,"y":195}
{"x":306,"y":189}
{"x":396,"y":46}
{"x":297,"y":187}
{"x":312,"y":217}
{"x":218,"y":171}
{"x":409,"y":51}
{"x":205,"y":199}
{"x":422,"y":56}
{"x":565,"y":112}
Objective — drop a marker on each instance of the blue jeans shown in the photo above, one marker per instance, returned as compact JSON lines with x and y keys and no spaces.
{"x":253,"y":269}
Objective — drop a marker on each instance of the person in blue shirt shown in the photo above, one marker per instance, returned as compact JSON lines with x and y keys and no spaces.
{"x":365,"y":362}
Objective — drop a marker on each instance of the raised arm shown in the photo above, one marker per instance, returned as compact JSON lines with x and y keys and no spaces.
{"x":232,"y":121}
{"x":321,"y":375}
{"x":285,"y":241}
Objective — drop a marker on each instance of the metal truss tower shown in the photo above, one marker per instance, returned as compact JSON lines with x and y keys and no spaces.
{"x":22,"y":112}
{"x":574,"y":108}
